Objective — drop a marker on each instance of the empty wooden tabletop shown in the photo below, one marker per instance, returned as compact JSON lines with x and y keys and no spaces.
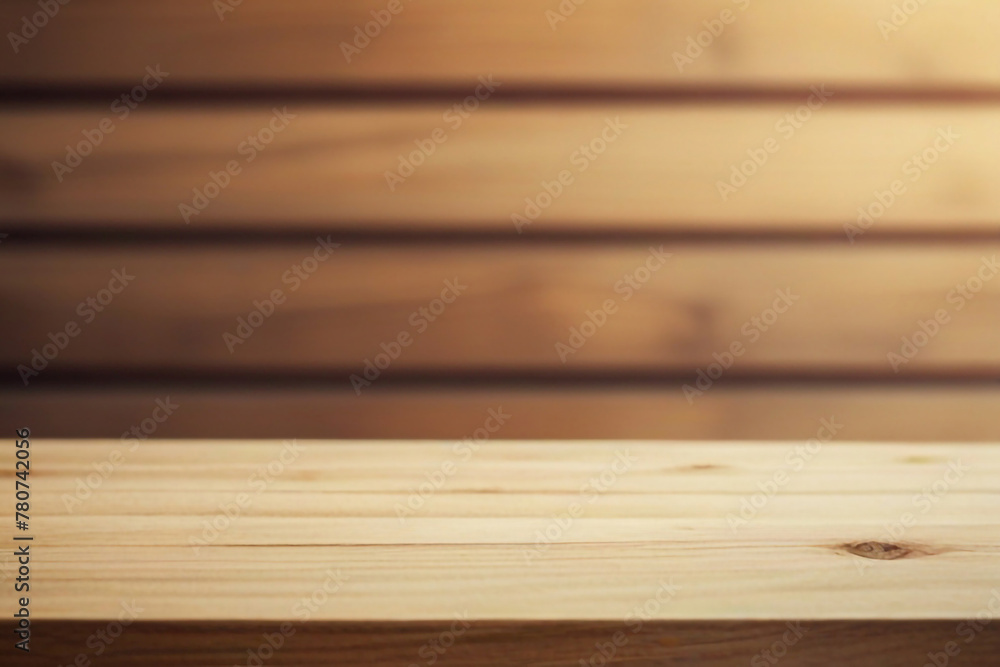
{"x":498,"y":532}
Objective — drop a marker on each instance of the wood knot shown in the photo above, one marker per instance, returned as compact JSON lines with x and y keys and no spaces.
{"x":879,"y":550}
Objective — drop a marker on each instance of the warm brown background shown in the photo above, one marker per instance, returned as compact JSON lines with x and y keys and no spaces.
{"x":495,"y":346}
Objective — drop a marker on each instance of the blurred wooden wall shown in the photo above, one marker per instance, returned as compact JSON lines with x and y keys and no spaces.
{"x":690,"y":177}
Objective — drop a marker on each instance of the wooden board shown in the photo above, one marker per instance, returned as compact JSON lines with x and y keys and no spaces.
{"x":845,"y":310}
{"x":667,"y":169}
{"x":664,"y":514}
{"x":734,"y":258}
{"x":491,"y":644}
{"x":657,"y":524}
{"x":747,"y":411}
{"x":766,"y":43}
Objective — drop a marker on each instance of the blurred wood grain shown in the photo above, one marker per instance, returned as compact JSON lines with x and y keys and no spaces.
{"x":482,"y":308}
{"x":755,"y":45}
{"x":847,"y":172}
{"x":544,"y":317}
{"x":584,"y":411}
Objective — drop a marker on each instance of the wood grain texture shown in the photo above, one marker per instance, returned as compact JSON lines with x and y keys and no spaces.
{"x":327,"y":169}
{"x":643,"y":517}
{"x":509,"y":491}
{"x":584,"y":411}
{"x":768,"y":43}
{"x":846,"y":309}
{"x":489,"y":644}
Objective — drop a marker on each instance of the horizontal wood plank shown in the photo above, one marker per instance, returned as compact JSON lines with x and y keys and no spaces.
{"x":763,"y":43}
{"x":318,"y":557}
{"x":650,"y":514}
{"x":541,"y":308}
{"x":852,"y":172}
{"x":746,"y":412}
{"x":491,"y":644}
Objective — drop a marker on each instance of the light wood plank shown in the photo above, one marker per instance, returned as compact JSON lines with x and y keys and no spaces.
{"x":491,"y":563}
{"x":663,"y":172}
{"x":632,"y":42}
{"x":590,"y":411}
{"x":846,"y":309}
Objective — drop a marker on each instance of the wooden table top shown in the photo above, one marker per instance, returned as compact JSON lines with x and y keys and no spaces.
{"x":516,"y":531}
